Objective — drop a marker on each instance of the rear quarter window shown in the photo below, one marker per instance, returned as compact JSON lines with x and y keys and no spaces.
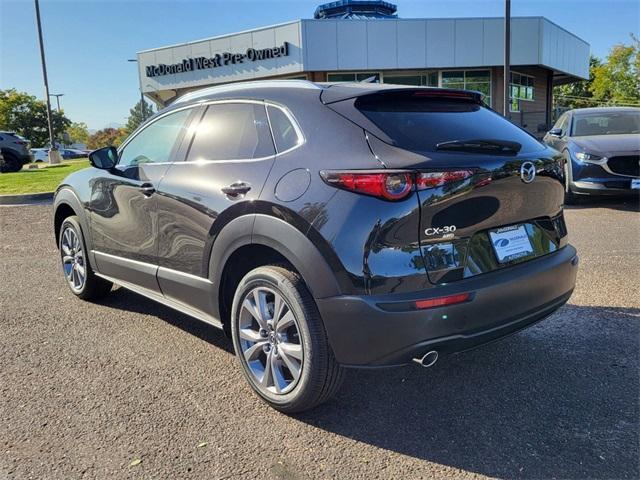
{"x":419,"y":124}
{"x":284,"y":132}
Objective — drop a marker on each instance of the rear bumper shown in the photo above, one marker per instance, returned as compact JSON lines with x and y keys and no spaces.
{"x":28,"y":158}
{"x":23,"y":158}
{"x":361,"y":333}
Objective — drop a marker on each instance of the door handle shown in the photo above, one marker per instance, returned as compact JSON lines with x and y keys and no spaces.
{"x":147,"y":189}
{"x":235,"y":189}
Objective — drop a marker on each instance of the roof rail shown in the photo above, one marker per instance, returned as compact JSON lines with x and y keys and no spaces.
{"x":232,"y":87}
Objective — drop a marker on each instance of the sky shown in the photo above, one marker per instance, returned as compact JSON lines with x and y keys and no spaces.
{"x":88,"y":42}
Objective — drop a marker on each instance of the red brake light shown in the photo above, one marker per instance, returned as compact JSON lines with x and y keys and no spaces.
{"x":388,"y":185}
{"x":437,"y":179}
{"x":442,"y":301}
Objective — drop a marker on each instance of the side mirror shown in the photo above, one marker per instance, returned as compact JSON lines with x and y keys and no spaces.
{"x":556,"y":132}
{"x":104,"y":158}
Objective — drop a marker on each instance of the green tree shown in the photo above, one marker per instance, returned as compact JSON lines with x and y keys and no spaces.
{"x":78,"y":132}
{"x":107,"y":137}
{"x":577,"y":94}
{"x":27,"y":116}
{"x":617,"y":80}
{"x":138,"y":114}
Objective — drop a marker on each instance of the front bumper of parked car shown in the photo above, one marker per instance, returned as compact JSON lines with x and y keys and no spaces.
{"x":371,"y":331}
{"x":603,"y":178}
{"x":604,"y":186}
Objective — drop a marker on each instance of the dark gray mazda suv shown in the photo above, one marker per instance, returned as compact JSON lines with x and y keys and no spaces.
{"x":325,"y":226}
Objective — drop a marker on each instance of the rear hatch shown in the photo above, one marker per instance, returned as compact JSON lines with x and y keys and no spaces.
{"x":490,"y":194}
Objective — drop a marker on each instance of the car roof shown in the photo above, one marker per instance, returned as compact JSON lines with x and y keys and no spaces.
{"x":328,"y":92}
{"x":595,"y":110}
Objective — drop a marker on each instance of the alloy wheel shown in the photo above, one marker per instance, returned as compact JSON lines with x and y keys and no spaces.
{"x":73,"y":258}
{"x":270,"y":341}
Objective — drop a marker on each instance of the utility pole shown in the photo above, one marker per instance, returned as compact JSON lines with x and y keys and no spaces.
{"x":54,"y":156}
{"x":507,"y":53}
{"x":57,"y":95}
{"x":142,"y":101}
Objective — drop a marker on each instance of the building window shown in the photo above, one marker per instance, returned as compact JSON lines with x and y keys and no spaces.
{"x":521,"y":86}
{"x":479,"y":80}
{"x":426,"y":80}
{"x":353,"y":77}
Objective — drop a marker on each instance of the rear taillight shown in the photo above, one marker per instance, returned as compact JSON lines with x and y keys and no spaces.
{"x":388,"y":185}
{"x":425,"y":180}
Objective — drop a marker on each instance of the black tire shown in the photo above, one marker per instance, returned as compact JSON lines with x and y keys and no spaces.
{"x":93,"y":287}
{"x":9,"y":163}
{"x":320,"y":375}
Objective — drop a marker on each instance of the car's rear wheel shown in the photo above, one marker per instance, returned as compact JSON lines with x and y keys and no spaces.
{"x":280,"y":341}
{"x":9,"y":163}
{"x":80,"y":277}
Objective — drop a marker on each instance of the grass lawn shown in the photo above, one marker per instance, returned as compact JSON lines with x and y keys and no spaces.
{"x":44,"y":179}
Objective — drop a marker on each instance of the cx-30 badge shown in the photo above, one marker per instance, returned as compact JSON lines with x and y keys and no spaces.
{"x":527,"y":172}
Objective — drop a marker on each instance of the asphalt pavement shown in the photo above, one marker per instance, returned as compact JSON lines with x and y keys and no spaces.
{"x":130,"y":389}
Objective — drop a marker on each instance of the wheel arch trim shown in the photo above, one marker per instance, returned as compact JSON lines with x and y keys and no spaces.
{"x":66,"y":196}
{"x":284,"y":238}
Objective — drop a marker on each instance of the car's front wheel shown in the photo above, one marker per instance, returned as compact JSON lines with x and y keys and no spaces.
{"x":76,"y":267}
{"x":280,"y":341}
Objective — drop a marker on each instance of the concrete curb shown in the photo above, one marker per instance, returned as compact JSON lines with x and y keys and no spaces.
{"x":25,"y":199}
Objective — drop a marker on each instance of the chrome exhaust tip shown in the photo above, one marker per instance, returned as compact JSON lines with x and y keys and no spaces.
{"x":429,"y":359}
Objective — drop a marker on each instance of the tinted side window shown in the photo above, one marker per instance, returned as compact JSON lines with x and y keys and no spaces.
{"x":232,"y":131}
{"x":563,"y":124}
{"x":284,"y":133}
{"x":560,"y":121}
{"x":155,"y":143}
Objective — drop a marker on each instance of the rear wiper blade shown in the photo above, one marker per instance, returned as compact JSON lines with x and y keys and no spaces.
{"x":497,"y":146}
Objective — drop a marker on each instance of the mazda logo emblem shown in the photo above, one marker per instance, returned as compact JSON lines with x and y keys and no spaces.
{"x":527,"y":172}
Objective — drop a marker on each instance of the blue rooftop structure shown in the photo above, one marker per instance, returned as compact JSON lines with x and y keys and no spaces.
{"x":356,"y":9}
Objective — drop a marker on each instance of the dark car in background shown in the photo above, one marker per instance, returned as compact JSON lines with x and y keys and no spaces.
{"x":15,"y":152}
{"x":325,"y":226}
{"x":72,"y":153}
{"x":601,"y":150}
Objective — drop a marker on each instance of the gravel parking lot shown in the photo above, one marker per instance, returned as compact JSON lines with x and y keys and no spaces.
{"x":87,"y":389}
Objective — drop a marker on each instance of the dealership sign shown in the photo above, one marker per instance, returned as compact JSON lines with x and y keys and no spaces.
{"x":218,"y":60}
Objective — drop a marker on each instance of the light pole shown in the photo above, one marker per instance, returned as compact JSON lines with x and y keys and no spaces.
{"x":57,"y":95}
{"x":54,"y":156}
{"x":142,"y":102}
{"x":507,"y":53}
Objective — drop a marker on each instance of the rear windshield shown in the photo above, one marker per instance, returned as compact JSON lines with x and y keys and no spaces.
{"x":419,"y":124}
{"x":611,"y":123}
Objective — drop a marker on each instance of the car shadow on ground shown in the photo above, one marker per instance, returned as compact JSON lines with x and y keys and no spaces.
{"x":123,"y":299}
{"x":558,"y":400}
{"x":626,"y":204}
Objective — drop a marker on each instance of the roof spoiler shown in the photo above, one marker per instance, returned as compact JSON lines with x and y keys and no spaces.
{"x":338,"y":93}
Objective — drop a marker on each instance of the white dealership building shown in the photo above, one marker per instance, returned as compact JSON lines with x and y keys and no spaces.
{"x":353,"y":40}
